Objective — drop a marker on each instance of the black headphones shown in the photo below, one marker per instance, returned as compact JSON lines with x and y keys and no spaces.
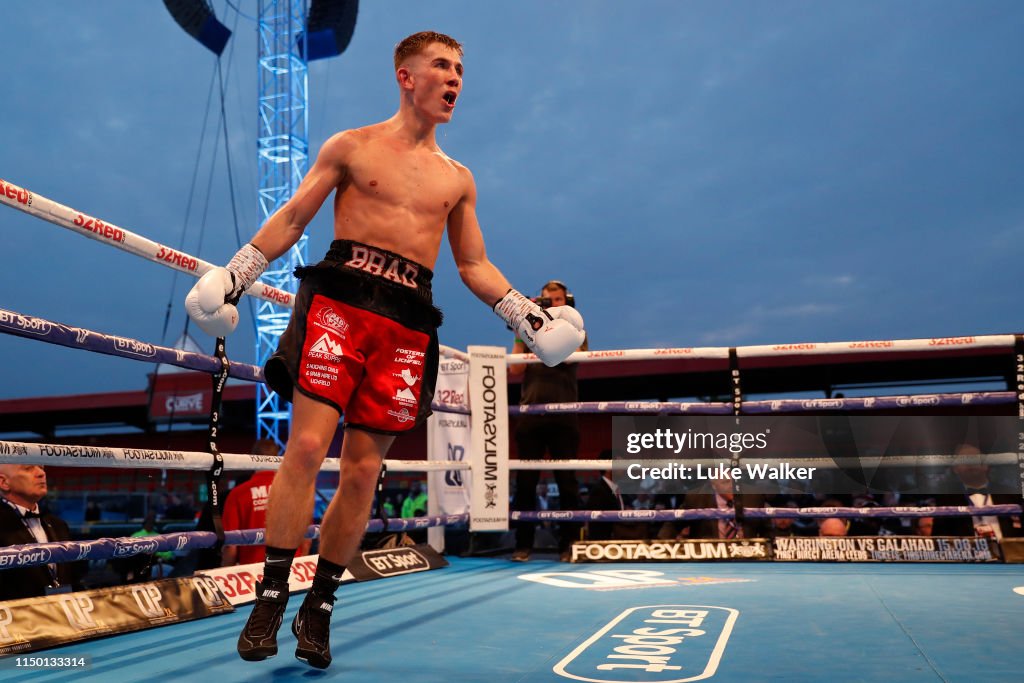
{"x":545,"y":302}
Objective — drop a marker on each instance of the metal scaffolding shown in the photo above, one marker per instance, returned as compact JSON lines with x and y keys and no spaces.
{"x":283,"y":153}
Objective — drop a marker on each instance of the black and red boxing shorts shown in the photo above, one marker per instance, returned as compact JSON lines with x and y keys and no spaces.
{"x":362,"y":338}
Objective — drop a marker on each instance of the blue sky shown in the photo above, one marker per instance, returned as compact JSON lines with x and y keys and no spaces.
{"x":700,"y":173}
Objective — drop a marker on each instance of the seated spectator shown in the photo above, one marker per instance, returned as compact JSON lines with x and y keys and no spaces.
{"x":833,"y":526}
{"x":865,"y":526}
{"x":415,"y":504}
{"x":923,"y":526}
{"x":22,"y":521}
{"x":972,"y":472}
{"x":720,"y":495}
{"x":144,"y":567}
{"x":785,"y":526}
{"x":605,"y":496}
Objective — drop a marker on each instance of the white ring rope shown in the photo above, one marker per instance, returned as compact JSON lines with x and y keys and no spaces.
{"x":107,"y":233}
{"x":64,"y":455}
{"x":930,"y":345}
{"x":449,"y":352}
{"x":42,"y":207}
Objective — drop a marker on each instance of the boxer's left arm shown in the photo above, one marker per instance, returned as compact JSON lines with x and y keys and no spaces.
{"x":552,"y":334}
{"x":467,"y":241}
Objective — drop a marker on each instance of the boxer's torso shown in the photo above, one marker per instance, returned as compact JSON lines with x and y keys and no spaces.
{"x":397,"y":194}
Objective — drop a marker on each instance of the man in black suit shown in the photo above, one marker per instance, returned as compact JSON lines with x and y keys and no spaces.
{"x":973,"y":473}
{"x":720,"y":495}
{"x":22,"y":522}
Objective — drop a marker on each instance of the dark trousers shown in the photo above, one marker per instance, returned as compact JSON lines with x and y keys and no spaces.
{"x":559,"y":437}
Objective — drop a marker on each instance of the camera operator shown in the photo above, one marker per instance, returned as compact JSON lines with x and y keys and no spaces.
{"x":558,"y":436}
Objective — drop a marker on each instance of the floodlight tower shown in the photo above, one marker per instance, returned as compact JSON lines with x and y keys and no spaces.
{"x":283,"y":157}
{"x":288,"y":37}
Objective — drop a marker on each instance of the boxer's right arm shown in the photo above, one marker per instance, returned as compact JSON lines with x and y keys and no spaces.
{"x":212,"y":301}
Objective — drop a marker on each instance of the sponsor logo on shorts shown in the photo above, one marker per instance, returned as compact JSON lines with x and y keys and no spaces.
{"x":322,"y":375}
{"x":330,"y":319}
{"x":387,"y":266}
{"x":409,"y":356}
{"x":402,"y":415}
{"x":405,"y":397}
{"x":660,"y":643}
{"x":326,"y":348}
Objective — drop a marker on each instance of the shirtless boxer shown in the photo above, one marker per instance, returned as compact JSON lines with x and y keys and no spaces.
{"x":362,"y":339}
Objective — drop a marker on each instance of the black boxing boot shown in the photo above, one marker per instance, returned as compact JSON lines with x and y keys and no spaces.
{"x":258,"y":639}
{"x":312,"y":628}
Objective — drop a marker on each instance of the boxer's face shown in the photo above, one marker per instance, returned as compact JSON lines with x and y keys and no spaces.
{"x":434,"y":79}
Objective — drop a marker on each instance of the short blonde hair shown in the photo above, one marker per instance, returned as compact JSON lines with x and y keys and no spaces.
{"x":417,"y":42}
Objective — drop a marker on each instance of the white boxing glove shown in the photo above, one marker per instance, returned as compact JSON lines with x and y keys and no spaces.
{"x":211,"y":302}
{"x":552,"y":334}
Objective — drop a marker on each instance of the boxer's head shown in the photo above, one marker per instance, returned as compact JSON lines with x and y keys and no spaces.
{"x":428,"y":68}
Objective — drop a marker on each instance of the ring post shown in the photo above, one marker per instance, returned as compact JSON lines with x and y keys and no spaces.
{"x":488,"y":399}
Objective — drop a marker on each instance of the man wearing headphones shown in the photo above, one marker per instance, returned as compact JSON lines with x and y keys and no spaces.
{"x":539,"y":436}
